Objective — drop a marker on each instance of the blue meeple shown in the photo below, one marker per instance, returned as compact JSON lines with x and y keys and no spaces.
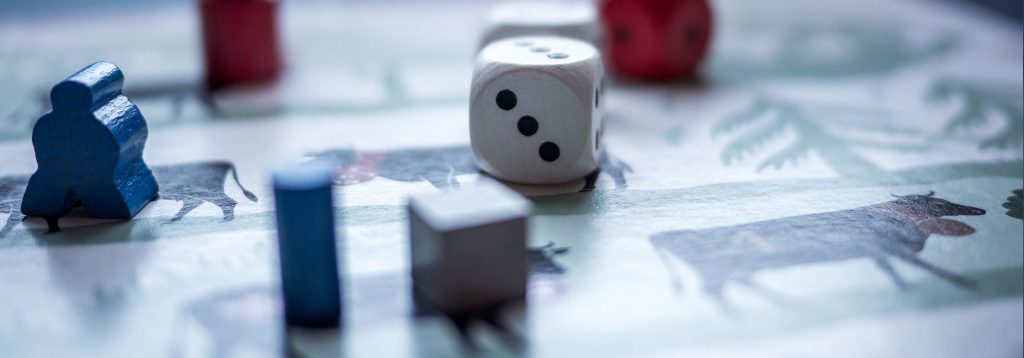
{"x":89,"y":150}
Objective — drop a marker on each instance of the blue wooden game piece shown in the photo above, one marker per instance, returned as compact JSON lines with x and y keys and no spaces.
{"x":305,"y":237}
{"x":89,"y":150}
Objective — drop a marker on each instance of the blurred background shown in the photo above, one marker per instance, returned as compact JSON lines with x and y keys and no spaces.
{"x":887,"y":97}
{"x":17,"y":8}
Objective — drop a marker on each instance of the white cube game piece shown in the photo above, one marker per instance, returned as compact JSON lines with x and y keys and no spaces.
{"x":575,"y":19}
{"x":468,"y":247}
{"x":535,"y":109}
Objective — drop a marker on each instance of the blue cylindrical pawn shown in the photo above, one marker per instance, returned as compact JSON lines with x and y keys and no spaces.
{"x":305,"y":237}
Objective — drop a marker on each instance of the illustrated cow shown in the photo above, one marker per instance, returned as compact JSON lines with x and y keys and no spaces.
{"x":438,"y":166}
{"x":893,"y":229}
{"x":195,"y":183}
{"x":190,"y":183}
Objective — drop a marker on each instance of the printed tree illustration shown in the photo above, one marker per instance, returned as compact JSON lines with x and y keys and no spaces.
{"x":872,"y":48}
{"x":859,"y":49}
{"x":769,"y":118}
{"x":979,"y":100}
{"x":1014,"y":206}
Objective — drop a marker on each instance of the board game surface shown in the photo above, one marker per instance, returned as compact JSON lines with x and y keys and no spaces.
{"x":759,"y":211}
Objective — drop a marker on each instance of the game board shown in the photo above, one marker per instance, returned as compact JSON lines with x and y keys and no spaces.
{"x":845,"y":180}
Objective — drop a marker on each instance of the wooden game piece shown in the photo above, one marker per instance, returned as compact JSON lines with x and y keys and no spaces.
{"x":575,"y":19}
{"x":468,"y":247}
{"x":656,"y":39}
{"x":535,"y":114}
{"x":89,"y":150}
{"x":305,"y":236}
{"x":240,"y":42}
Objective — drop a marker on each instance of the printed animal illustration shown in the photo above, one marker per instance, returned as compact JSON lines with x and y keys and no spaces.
{"x":196,"y":183}
{"x":190,"y":183}
{"x":438,"y":166}
{"x":896,"y":229}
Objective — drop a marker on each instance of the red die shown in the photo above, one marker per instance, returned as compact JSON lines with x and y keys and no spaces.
{"x":240,"y":41}
{"x":655,"y":39}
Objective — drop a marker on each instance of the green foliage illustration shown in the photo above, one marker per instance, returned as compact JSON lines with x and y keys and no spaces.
{"x":1014,"y":206}
{"x":819,"y":129}
{"x":844,"y":49}
{"x":979,"y":101}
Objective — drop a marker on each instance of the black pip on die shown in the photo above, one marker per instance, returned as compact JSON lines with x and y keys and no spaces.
{"x":535,"y":109}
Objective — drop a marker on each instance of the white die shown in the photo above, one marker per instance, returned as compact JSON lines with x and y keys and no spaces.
{"x":468,"y":246}
{"x":575,"y":19}
{"x":535,"y":109}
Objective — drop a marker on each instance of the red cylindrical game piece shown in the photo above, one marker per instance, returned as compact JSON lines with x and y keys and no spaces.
{"x":655,"y":39}
{"x":240,"y":41}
